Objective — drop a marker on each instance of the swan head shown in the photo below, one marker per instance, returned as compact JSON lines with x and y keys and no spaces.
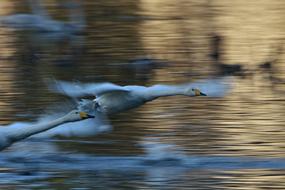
{"x":196,"y":92}
{"x":76,"y":115}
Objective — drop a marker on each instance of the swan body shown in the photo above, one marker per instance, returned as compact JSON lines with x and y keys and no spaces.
{"x":112,"y":98}
{"x":119,"y":101}
{"x":9,"y":135}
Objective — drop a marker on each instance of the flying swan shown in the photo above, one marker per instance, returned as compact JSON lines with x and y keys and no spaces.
{"x":112,"y":98}
{"x":9,"y":135}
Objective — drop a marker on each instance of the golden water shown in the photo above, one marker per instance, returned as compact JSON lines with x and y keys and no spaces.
{"x":248,"y":123}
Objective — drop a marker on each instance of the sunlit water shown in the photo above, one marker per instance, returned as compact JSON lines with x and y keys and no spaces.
{"x":231,"y":142}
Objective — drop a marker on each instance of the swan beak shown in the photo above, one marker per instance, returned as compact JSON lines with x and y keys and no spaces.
{"x":85,"y":115}
{"x":199,"y":93}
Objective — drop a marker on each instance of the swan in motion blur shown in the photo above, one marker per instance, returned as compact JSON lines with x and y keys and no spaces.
{"x":41,"y":21}
{"x":112,"y":98}
{"x":9,"y":135}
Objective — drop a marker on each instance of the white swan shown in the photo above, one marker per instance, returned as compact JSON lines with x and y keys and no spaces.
{"x":9,"y":135}
{"x":41,"y":21}
{"x":111,"y":98}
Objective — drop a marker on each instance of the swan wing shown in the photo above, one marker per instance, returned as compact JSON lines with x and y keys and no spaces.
{"x":77,"y":89}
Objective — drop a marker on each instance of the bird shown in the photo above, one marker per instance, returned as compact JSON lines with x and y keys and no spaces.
{"x":10,"y":135}
{"x":111,"y":98}
{"x":40,"y":21}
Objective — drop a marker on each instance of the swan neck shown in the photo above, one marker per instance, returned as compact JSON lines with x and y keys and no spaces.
{"x":28,"y":131}
{"x":157,"y":91}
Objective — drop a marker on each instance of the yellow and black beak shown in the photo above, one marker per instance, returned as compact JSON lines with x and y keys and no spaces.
{"x":199,"y":93}
{"x":85,"y":115}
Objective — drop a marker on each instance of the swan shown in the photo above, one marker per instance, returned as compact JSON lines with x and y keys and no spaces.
{"x":10,"y":135}
{"x":112,"y":98}
{"x":41,"y":21}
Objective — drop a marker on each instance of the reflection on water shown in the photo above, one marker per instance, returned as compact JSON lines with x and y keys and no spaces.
{"x":231,"y":142}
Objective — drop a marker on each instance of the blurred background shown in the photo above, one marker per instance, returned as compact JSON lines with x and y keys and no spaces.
{"x":231,"y":142}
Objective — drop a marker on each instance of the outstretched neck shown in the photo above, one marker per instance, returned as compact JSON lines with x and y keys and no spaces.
{"x":13,"y":135}
{"x":157,"y":91}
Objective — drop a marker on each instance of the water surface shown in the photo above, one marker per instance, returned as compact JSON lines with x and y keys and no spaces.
{"x":230,"y":142}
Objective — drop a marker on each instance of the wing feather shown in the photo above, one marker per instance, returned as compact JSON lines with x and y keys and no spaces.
{"x":77,"y":89}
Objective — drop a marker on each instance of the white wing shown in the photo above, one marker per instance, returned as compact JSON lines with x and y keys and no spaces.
{"x":76,"y":89}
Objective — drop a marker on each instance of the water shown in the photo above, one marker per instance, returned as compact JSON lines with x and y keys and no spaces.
{"x":231,"y":142}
